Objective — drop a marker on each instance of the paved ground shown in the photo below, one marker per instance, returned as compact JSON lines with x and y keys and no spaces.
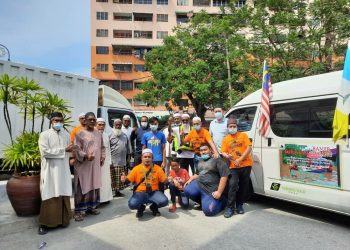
{"x":267,"y":224}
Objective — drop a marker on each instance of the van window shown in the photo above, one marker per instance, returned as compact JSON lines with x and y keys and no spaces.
{"x":303,"y":119}
{"x":115,"y":114}
{"x":244,"y":116}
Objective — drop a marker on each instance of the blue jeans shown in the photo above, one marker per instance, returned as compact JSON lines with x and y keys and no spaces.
{"x":174,"y":191}
{"x":142,"y":198}
{"x":210,"y":205}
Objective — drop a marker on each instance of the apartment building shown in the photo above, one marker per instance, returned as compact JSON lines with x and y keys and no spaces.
{"x":123,"y":31}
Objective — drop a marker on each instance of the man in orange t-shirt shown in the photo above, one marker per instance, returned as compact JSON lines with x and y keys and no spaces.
{"x":146,"y":178}
{"x":196,"y":137}
{"x":237,"y":147}
{"x":78,"y":128}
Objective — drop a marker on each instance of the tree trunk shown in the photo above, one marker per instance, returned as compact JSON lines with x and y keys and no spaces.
{"x":33,"y":121}
{"x":25,"y":114}
{"x":7,"y":120}
{"x":42,"y":123}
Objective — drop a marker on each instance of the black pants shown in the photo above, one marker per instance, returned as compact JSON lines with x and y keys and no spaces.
{"x":137,"y":159}
{"x":238,"y":186}
{"x":185,"y":162}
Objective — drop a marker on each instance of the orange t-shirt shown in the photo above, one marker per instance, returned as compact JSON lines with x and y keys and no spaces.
{"x":236,"y":145}
{"x":156,"y":176}
{"x":196,"y":138}
{"x":74,"y":132}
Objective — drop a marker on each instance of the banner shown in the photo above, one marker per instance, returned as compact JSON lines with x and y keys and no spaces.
{"x":317,"y":165}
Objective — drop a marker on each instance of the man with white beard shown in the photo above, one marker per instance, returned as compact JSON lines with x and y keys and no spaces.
{"x":185,"y":152}
{"x":120,"y":155}
{"x":106,"y":189}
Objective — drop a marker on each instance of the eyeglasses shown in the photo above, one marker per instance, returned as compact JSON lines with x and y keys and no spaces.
{"x":91,"y":119}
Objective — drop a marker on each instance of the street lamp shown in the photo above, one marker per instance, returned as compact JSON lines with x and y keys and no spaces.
{"x":3,"y":51}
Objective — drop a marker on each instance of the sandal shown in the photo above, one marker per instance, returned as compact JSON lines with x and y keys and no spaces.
{"x":172,"y":209}
{"x":78,"y":217}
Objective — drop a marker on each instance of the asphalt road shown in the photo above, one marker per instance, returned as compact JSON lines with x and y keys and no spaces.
{"x":267,"y":224}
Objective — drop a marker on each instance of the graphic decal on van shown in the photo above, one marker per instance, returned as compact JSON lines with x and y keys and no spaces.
{"x":310,"y":164}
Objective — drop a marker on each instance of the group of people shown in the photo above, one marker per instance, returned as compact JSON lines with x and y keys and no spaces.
{"x":219,"y":160}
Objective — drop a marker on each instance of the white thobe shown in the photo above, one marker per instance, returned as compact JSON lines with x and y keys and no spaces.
{"x":55,"y":176}
{"x":106,"y":188}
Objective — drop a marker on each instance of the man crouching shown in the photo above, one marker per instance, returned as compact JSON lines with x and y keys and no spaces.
{"x":146,"y":178}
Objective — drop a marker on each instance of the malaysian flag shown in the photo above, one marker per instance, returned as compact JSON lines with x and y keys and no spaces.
{"x":266,"y":95}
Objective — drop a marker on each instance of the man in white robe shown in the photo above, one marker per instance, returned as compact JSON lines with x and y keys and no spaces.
{"x":55,"y":176}
{"x":106,"y":188}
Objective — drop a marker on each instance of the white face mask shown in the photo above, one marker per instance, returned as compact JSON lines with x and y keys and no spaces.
{"x":232,"y":131}
{"x":218,"y":115}
{"x":197,"y":127}
{"x":144,"y":124}
{"x":153,"y":127}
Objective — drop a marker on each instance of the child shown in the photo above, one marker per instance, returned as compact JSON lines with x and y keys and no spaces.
{"x":177,"y":178}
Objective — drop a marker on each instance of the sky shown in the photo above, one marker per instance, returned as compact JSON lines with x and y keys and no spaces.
{"x":48,"y":34}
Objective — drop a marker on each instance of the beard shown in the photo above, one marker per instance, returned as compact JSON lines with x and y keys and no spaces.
{"x":186,"y":127}
{"x":117,"y":132}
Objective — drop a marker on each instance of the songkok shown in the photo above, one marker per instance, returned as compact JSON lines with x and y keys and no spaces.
{"x":147,"y":150}
{"x":177,"y":115}
{"x":184,"y":116}
{"x":117,"y":120}
{"x":82,"y":115}
{"x":196,"y":119}
{"x":231,"y":121}
{"x":126,"y":117}
{"x":89,"y":114}
{"x":101,"y":120}
{"x":56,"y":114}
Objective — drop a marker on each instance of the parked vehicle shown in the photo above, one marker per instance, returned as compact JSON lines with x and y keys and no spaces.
{"x":298,"y":160}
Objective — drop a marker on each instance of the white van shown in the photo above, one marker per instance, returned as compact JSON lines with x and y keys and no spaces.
{"x":298,"y":160}
{"x":113,"y":105}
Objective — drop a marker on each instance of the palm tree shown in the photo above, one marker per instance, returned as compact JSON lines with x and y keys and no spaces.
{"x":34,"y":102}
{"x":26,"y":87}
{"x":8,"y":95}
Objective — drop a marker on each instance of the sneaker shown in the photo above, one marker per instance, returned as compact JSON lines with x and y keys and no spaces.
{"x":239,"y":208}
{"x":197,"y":207}
{"x":172,"y":209}
{"x":154,"y":209}
{"x":229,"y":212}
{"x":119,"y":194}
{"x":139,"y":213}
{"x":42,"y":230}
{"x":93,"y":211}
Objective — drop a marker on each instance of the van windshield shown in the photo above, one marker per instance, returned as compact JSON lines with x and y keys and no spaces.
{"x":118,"y":114}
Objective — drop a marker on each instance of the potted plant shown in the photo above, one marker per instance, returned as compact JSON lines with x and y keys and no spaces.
{"x":23,"y":189}
{"x":22,"y":156}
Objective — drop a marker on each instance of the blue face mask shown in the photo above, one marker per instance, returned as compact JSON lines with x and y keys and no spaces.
{"x":197,"y":127}
{"x":205,"y":157}
{"x":218,"y":115}
{"x":57,"y":126}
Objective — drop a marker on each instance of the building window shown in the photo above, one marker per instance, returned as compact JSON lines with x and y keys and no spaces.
{"x":123,"y":1}
{"x":138,"y":84}
{"x":122,"y":50}
{"x":142,"y":34}
{"x":139,"y":67}
{"x":139,"y":103}
{"x":122,"y":16}
{"x":102,"y":50}
{"x":220,"y":2}
{"x":102,"y":33}
{"x":162,"y":2}
{"x":162,"y":18}
{"x":102,"y":1}
{"x":181,"y":18}
{"x":240,"y":3}
{"x":126,"y":85}
{"x":162,"y":34}
{"x":143,"y":17}
{"x":122,"y":33}
{"x":122,"y":67}
{"x":201,"y":2}
{"x":182,"y":2}
{"x":102,"y":15}
{"x":140,"y":52}
{"x":142,"y":1}
{"x":102,"y":67}
{"x":115,"y":85}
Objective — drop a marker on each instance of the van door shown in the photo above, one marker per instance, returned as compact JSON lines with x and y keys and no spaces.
{"x":247,"y":120}
{"x":299,"y":147}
